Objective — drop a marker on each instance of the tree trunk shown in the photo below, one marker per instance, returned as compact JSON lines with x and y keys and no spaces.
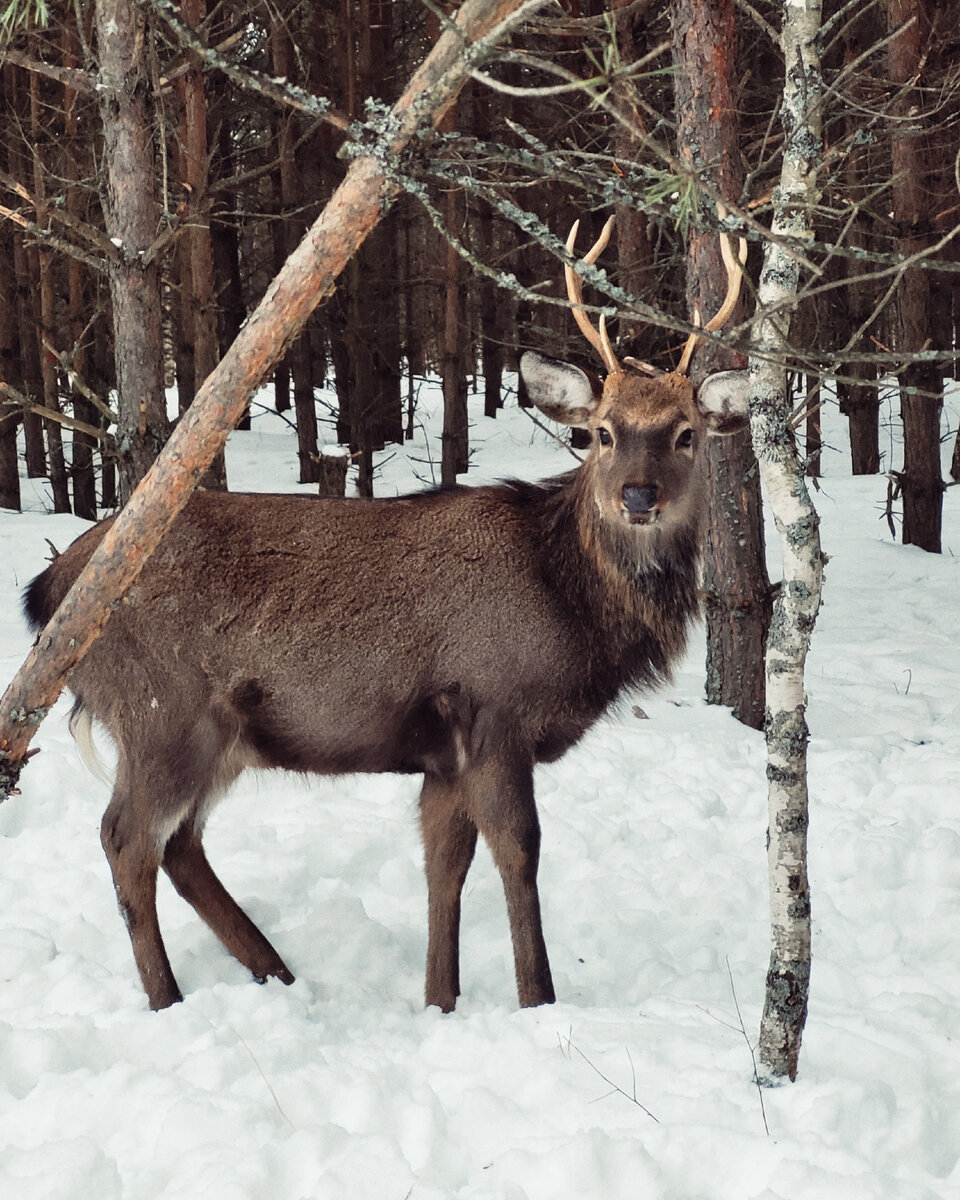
{"x":307,"y":277}
{"x":798,"y":598}
{"x":25,"y":284}
{"x":380,"y":252}
{"x":103,"y":369}
{"x":361,"y":427}
{"x":51,"y":396}
{"x":128,"y":189}
{"x":412,"y":335}
{"x":634,"y":251}
{"x":28,"y":310}
{"x":861,"y":406}
{"x":492,"y":325}
{"x":9,"y":363}
{"x":813,"y":442}
{"x":47,"y":328}
{"x":455,"y":448}
{"x":291,"y":200}
{"x":735,"y":575}
{"x":859,"y":403}
{"x":82,"y":444}
{"x":198,"y":302}
{"x":921,"y":385}
{"x":181,"y":313}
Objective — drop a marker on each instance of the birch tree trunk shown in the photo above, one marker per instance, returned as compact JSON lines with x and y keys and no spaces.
{"x":307,"y":277}
{"x":798,"y":600}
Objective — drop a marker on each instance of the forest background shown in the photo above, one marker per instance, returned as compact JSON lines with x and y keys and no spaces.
{"x":158,"y":163}
{"x":164,"y":163}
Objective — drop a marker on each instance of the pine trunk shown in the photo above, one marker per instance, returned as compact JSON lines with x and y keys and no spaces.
{"x":9,"y":364}
{"x":128,"y":190}
{"x":455,"y":448}
{"x":83,"y":445}
{"x":634,"y":250}
{"x":735,"y":578}
{"x":859,"y":402}
{"x":25,"y":286}
{"x":492,"y":325}
{"x":291,"y":201}
{"x":199,"y":303}
{"x":47,"y":329}
{"x":921,"y":385}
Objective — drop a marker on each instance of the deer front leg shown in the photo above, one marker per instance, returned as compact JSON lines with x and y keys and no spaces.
{"x":449,"y":841}
{"x":500,"y":801}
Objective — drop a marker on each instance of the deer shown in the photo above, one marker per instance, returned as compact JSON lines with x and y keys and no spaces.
{"x":464,"y":634}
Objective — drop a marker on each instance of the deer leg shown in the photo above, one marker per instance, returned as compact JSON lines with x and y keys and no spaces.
{"x":130,"y":845}
{"x":190,"y":873}
{"x":500,"y":801}
{"x":449,"y":840}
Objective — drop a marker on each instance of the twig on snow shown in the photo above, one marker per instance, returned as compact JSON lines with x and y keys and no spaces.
{"x":615,"y":1087}
{"x":750,"y":1047}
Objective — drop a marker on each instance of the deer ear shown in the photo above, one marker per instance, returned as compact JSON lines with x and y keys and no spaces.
{"x":561,"y":391}
{"x":723,"y":401}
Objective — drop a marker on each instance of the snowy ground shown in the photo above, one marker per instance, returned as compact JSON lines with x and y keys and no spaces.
{"x":637,"y":1084}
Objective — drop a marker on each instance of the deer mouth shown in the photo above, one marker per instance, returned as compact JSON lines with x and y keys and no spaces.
{"x":650,"y":517}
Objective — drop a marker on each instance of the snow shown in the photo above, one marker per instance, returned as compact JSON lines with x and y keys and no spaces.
{"x":638,"y":1083}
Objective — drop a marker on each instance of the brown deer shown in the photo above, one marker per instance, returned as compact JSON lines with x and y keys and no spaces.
{"x":465,"y":634}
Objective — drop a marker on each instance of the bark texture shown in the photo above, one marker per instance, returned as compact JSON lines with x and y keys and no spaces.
{"x":9,"y":369}
{"x":921,"y":385}
{"x":734,"y":566}
{"x":131,"y":216}
{"x":307,"y":277}
{"x":798,"y":599}
{"x":199,"y":299}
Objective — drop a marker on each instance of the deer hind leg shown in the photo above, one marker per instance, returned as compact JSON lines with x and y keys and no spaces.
{"x":449,"y":841}
{"x":130,"y":840}
{"x":185,"y":862}
{"x":499,"y":794}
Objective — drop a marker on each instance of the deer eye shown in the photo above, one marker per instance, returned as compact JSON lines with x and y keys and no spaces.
{"x":685,"y":439}
{"x":603,"y":436}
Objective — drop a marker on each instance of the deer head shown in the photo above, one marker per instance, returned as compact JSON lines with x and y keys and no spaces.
{"x":648,"y":426}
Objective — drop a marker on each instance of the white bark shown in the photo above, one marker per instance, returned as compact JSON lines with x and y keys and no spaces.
{"x":798,"y":600}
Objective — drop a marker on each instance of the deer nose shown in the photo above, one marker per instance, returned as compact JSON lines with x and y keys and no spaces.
{"x":639,"y":499}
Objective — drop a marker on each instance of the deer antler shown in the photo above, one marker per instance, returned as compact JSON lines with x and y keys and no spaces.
{"x":600,"y":341}
{"x":734,"y":265}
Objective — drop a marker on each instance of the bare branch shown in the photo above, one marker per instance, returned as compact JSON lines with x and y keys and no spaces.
{"x":10,"y":398}
{"x":90,"y":233}
{"x":74,"y":78}
{"x":46,"y":238}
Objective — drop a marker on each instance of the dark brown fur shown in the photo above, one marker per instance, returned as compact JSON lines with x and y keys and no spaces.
{"x":466,"y":634}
